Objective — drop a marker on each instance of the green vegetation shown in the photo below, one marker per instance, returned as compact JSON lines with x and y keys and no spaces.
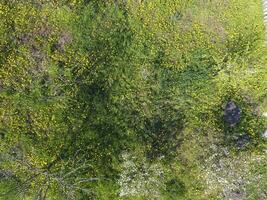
{"x":125,"y":99}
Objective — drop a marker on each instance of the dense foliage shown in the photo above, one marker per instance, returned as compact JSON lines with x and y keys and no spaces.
{"x":125,"y":99}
